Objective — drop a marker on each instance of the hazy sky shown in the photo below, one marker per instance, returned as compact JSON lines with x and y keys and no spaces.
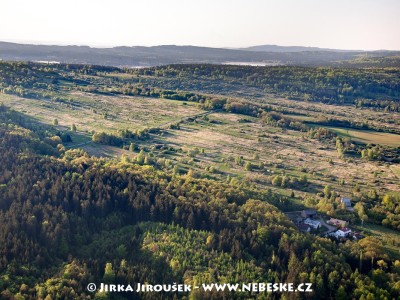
{"x":343,"y":24}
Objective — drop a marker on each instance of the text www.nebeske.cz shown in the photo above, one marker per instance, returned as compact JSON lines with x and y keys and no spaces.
{"x":244,"y":287}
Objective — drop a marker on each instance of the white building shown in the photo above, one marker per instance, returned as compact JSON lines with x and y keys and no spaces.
{"x":312,"y":223}
{"x":341,"y":233}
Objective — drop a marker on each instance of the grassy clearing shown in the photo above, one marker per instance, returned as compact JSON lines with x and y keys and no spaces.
{"x":106,"y":151}
{"x":103,"y":113}
{"x":281,"y":153}
{"x":78,"y":138}
{"x":396,"y":170}
{"x":224,"y":136}
{"x":368,"y":136}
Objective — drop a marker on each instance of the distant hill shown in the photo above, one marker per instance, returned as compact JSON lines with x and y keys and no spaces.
{"x":140,"y":56}
{"x":276,"y":48}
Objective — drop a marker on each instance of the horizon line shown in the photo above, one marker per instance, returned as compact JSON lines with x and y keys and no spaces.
{"x":99,"y":46}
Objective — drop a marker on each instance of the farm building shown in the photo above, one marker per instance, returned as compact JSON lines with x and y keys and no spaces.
{"x":337,"y":222}
{"x":309,"y":213}
{"x":313,"y":223}
{"x":304,"y":228}
{"x":344,"y":232}
{"x":295,"y":217}
{"x":298,"y":220}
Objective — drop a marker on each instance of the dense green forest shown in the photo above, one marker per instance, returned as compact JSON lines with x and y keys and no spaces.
{"x":68,"y":219}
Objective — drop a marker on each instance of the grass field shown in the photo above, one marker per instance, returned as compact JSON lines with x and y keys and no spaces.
{"x":223,"y":136}
{"x":368,"y":136}
{"x":396,"y":170}
{"x":103,"y":113}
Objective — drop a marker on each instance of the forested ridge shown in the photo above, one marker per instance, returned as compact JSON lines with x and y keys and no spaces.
{"x":376,"y":88}
{"x":68,"y":219}
{"x":368,"y":87}
{"x":168,"y":54}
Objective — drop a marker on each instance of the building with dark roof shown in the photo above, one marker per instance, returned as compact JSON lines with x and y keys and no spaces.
{"x":309,"y":213}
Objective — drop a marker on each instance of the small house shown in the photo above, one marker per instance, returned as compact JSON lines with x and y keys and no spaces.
{"x":337,"y":222}
{"x":304,"y":228}
{"x":344,"y":232}
{"x":298,"y":220}
{"x":312,"y":223}
{"x":295,"y":217}
{"x":309,"y":213}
